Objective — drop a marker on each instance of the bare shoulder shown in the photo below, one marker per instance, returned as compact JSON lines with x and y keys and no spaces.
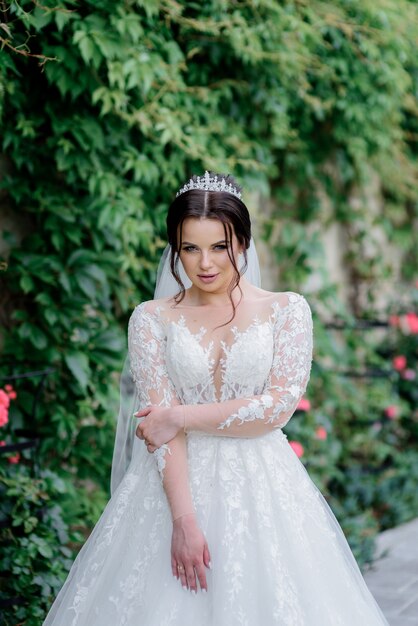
{"x":282,"y":298}
{"x":155,"y":306}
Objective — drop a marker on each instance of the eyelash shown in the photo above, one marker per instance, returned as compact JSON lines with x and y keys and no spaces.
{"x":221,"y":246}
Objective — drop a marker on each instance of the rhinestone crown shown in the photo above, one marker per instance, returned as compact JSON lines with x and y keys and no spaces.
{"x":209,"y":183}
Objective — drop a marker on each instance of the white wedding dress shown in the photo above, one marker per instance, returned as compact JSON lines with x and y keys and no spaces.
{"x":279,"y":556}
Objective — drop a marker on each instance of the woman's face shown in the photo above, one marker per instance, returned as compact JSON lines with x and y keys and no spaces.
{"x":204,"y":254}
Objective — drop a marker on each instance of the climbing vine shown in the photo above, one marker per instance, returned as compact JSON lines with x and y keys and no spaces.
{"x":106,"y":108}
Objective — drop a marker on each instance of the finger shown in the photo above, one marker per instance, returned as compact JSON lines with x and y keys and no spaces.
{"x":201,"y":575}
{"x":206,"y":556}
{"x":191,"y":578}
{"x":182,"y":574}
{"x":143,"y":412}
{"x":174,"y":568}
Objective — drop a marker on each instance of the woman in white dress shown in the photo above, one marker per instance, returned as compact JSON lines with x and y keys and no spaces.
{"x":213,"y":520}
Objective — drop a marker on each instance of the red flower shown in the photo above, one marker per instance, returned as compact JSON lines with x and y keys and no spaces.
{"x":4,"y":416}
{"x":15,"y":458}
{"x":2,"y":442}
{"x":297,"y":447}
{"x":399,"y":362}
{"x":321,"y":433}
{"x":4,"y":399}
{"x":412,"y":322}
{"x":12,"y":395}
{"x":8,"y":388}
{"x":304,"y":405}
{"x":391,"y":411}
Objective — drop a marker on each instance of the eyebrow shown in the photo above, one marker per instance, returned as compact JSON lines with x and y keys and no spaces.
{"x":188,"y":243}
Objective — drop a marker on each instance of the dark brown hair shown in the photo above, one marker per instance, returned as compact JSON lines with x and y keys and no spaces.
{"x":216,"y":205}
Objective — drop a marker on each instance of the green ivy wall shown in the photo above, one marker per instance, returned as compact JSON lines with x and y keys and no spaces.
{"x":106,"y":108}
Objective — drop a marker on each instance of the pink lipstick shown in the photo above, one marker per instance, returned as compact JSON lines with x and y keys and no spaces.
{"x":208,"y":278}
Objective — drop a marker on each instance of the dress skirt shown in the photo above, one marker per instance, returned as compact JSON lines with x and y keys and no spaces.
{"x":279,"y":556}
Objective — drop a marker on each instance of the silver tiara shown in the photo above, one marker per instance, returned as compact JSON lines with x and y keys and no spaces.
{"x":209,"y":183}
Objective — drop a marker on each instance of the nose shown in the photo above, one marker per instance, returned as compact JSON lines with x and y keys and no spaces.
{"x":205,"y":260}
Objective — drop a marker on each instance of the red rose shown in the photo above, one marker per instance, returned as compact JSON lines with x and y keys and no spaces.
{"x":399,"y":362}
{"x":304,"y":405}
{"x":4,"y":399}
{"x":321,"y":433}
{"x":391,"y":411}
{"x":297,"y":447}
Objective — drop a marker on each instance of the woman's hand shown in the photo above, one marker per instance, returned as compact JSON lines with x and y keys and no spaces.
{"x":189,"y":553}
{"x":161,"y":424}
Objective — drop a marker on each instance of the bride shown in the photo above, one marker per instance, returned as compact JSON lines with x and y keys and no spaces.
{"x":213,"y":520}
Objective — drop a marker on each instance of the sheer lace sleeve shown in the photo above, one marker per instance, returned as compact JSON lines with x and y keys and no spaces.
{"x":146,"y":353}
{"x":146,"y":343}
{"x":146,"y":339}
{"x":287,"y":382}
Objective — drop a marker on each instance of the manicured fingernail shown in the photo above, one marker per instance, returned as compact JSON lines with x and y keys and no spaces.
{"x":193,"y":591}
{"x":204,"y":590}
{"x":210,"y":565}
{"x":184,"y":587}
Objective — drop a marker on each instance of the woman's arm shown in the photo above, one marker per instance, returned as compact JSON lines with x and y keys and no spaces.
{"x":259,"y":414}
{"x":288,"y":379}
{"x":146,"y":352}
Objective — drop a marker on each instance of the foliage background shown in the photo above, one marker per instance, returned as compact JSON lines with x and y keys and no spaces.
{"x":106,"y":108}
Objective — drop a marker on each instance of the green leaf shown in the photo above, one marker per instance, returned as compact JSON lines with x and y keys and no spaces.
{"x":27,"y":283}
{"x":65,"y":282}
{"x":88,"y":49}
{"x":86,"y":284}
{"x":51,"y":316}
{"x":78,"y":364}
{"x":34,"y":335}
{"x":62,"y":18}
{"x":45,"y":550}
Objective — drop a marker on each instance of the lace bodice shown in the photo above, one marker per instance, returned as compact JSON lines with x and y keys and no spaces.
{"x":236,"y":367}
{"x":255,"y":368}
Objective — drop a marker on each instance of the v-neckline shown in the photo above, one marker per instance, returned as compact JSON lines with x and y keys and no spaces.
{"x":220,"y":365}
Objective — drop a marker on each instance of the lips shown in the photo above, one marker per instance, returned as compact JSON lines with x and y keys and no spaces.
{"x":207,"y":278}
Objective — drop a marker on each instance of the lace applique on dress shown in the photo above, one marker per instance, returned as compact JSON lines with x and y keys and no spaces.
{"x":146,"y":340}
{"x":268,"y":360}
{"x":253,"y":411}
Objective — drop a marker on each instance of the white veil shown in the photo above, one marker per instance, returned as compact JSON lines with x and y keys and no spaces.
{"x":166,"y":286}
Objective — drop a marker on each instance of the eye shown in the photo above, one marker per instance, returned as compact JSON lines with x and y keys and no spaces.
{"x":189,"y":248}
{"x":220,"y":246}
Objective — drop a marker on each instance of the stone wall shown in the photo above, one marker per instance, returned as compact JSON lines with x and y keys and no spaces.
{"x":336,"y":244}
